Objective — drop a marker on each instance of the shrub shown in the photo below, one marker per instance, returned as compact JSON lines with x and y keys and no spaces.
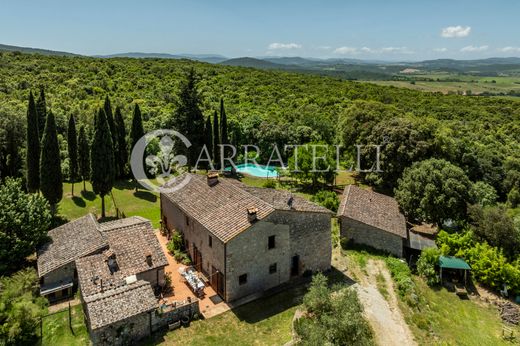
{"x":427,"y":263}
{"x":269,"y":183}
{"x":327,"y":199}
{"x":175,"y":244}
{"x":333,"y":318}
{"x":402,"y":276}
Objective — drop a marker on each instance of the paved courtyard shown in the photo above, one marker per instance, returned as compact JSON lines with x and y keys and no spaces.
{"x":210,"y":304}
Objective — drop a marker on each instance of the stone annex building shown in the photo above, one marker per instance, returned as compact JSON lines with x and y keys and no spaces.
{"x":370,"y":218}
{"x":116,"y":266}
{"x":247,"y":240}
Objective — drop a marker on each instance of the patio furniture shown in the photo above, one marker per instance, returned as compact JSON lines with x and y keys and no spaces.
{"x":193,"y":280}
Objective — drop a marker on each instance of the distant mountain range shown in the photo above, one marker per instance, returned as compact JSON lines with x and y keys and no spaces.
{"x":336,"y":67}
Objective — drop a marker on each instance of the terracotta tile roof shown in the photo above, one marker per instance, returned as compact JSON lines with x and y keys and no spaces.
{"x":120,"y":223}
{"x":279,"y":199}
{"x":373,"y":209}
{"x":425,"y":228}
{"x":119,"y":303}
{"x":221,"y":209}
{"x":130,"y":245}
{"x":69,"y":242}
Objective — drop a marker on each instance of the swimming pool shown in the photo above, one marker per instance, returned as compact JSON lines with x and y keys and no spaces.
{"x":256,"y":170}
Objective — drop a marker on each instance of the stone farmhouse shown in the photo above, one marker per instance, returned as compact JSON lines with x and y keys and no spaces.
{"x":247,"y":240}
{"x":373,"y":219}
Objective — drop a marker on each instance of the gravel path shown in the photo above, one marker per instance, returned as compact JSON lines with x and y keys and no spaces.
{"x":384,"y":315}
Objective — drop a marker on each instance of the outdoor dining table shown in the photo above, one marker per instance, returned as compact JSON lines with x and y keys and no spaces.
{"x":193,"y":280}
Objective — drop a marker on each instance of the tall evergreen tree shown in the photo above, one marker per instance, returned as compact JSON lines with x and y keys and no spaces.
{"x":223,"y":124}
{"x":122,"y":153}
{"x":51,"y":183}
{"x":102,"y":159}
{"x":216,"y":141}
{"x":136,"y":132}
{"x":208,"y":136}
{"x":41,"y":109}
{"x":84,"y":156}
{"x":188,"y":118}
{"x":33,"y":147}
{"x":113,"y":133}
{"x":72,"y":146}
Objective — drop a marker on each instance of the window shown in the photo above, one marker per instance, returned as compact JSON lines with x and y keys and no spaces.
{"x":271,"y":242}
{"x":187,"y":221}
{"x":210,"y":241}
{"x":242,"y":279}
{"x":272,"y":268}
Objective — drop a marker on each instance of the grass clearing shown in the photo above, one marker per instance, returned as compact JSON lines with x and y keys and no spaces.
{"x":56,"y":329}
{"x":143,"y":203}
{"x":381,"y":285}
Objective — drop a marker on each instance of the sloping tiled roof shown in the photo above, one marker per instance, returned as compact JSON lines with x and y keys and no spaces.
{"x":120,"y":223}
{"x":279,"y":199}
{"x":69,"y":242}
{"x":130,"y":244}
{"x":222,"y":208}
{"x":374,"y":209}
{"x":119,"y":303}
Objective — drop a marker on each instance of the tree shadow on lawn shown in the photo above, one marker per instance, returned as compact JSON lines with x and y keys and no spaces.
{"x":80,"y":202}
{"x":88,"y":195}
{"x":124,"y":185}
{"x":279,"y":299}
{"x":146,"y":195}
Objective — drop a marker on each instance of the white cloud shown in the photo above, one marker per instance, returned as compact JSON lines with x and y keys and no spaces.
{"x":284,"y":46}
{"x":403,"y":50}
{"x":440,"y":50}
{"x":367,"y":50}
{"x":455,"y":31}
{"x":346,"y":50}
{"x":474,"y":48}
{"x":509,"y":49}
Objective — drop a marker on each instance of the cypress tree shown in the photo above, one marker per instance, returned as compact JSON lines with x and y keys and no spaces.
{"x":84,"y":156}
{"x":216,"y":141}
{"x":33,"y":147}
{"x":188,"y":117}
{"x":72,"y":146}
{"x":223,"y":124}
{"x":136,"y":132}
{"x":208,"y":136}
{"x":110,"y":119}
{"x":41,"y":109}
{"x":102,"y":159}
{"x":122,"y":154}
{"x":51,"y":183}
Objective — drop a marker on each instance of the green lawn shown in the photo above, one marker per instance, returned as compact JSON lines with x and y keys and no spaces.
{"x":455,"y":321}
{"x":266,"y":321}
{"x":143,"y":203}
{"x":56,"y":330}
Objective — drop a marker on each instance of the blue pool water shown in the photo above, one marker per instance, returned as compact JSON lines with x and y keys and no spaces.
{"x":256,"y":170}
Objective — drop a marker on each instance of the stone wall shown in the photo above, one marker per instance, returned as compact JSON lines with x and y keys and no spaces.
{"x":368,"y":235}
{"x":155,"y":276}
{"x":123,"y":332}
{"x":195,"y":234}
{"x":172,"y":313}
{"x":307,"y":235}
{"x":61,"y":275}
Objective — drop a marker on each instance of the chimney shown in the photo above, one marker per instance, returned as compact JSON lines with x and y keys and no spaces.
{"x":212,"y":178}
{"x":252,"y":214}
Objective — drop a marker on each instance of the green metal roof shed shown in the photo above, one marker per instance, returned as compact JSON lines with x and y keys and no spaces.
{"x":451,"y":262}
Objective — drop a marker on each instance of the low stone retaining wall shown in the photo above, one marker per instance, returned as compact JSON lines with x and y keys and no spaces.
{"x":175,"y":312}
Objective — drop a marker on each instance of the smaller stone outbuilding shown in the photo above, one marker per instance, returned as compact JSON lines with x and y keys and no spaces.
{"x":56,"y":259}
{"x":373,"y":219}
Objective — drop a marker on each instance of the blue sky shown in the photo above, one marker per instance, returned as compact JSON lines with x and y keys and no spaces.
{"x":370,"y":29}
